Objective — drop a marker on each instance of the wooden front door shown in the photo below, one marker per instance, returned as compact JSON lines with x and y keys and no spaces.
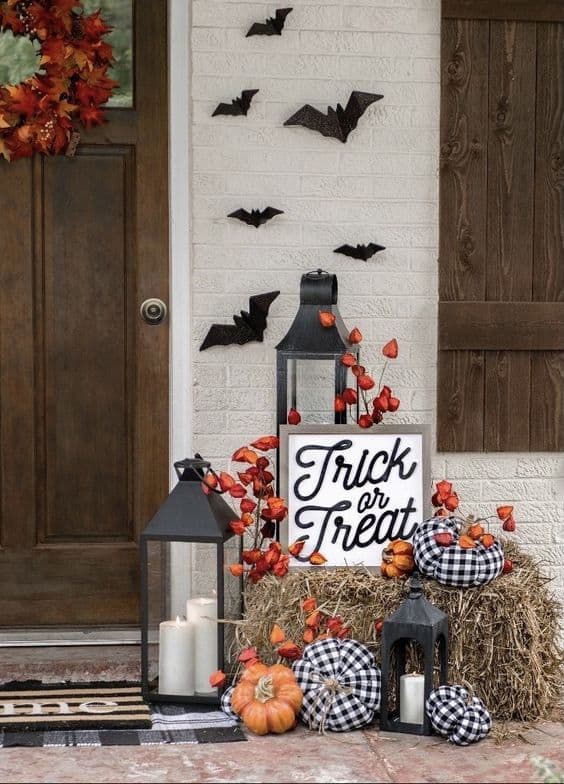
{"x":83,"y":379}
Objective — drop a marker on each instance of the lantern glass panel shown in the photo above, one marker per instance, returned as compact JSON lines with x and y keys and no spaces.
{"x":156,"y":604}
{"x":314,"y":392}
{"x":410,"y":679}
{"x":186,"y":643}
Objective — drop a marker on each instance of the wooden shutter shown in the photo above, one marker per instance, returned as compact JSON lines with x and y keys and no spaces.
{"x":501,"y":271}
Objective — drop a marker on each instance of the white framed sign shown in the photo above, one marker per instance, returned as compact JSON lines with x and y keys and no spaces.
{"x":351,"y":491}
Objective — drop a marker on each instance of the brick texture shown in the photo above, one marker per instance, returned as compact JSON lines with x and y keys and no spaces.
{"x":381,"y":186}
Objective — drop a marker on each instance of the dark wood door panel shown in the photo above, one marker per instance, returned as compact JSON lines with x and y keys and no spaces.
{"x":17,"y":433}
{"x":70,"y":586}
{"x":88,"y":282}
{"x":84,"y":382}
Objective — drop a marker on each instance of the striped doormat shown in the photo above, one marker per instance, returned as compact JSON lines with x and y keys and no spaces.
{"x":32,"y":705}
{"x":36,"y":715}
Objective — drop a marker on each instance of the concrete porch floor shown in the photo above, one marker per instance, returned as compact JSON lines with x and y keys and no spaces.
{"x":300,"y":756}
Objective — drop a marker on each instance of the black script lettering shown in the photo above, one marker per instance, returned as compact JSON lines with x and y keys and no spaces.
{"x":405,"y":532}
{"x":369,"y":473}
{"x":304,"y":525}
{"x":368,"y":500}
{"x":397,"y":461}
{"x":303,"y":462}
{"x":353,"y":540}
{"x":370,"y":529}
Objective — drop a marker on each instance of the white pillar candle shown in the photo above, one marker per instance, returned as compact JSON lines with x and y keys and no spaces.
{"x":412,"y":698}
{"x":202,"y":614}
{"x":176,"y":657}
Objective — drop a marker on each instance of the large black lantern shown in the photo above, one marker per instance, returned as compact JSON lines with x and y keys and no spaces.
{"x":415,"y":621}
{"x":178,"y":654}
{"x":308,"y":341}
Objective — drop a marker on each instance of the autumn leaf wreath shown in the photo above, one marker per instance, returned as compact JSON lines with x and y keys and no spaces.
{"x":71,"y":82}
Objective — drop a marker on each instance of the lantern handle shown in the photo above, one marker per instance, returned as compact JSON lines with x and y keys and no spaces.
{"x":318,"y":288}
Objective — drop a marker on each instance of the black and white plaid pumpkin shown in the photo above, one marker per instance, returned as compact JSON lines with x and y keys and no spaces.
{"x":454,"y":565}
{"x":226,"y":703}
{"x":341,"y":685}
{"x":457,"y":717}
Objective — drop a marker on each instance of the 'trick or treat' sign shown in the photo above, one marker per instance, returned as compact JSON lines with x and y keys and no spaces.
{"x":351,"y":491}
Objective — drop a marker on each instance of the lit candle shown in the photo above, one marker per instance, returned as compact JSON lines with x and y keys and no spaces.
{"x":202,"y":613}
{"x":176,"y":657}
{"x":412,"y":698}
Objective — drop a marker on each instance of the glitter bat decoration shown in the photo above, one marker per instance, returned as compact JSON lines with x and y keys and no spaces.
{"x":336,"y":123}
{"x":255,"y":217}
{"x":249,"y":326}
{"x":238,"y":106}
{"x":363,"y":252}
{"x":272,"y":26}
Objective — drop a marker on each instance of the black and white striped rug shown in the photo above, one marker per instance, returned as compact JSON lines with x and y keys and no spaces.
{"x":54,"y":715}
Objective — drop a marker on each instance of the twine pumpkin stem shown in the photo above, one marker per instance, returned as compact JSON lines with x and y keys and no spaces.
{"x":264,"y":690}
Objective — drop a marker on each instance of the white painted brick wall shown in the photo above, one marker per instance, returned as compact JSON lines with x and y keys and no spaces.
{"x":381,"y":186}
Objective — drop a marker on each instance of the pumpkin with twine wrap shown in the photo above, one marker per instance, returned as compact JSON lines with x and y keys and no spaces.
{"x":341,"y":685}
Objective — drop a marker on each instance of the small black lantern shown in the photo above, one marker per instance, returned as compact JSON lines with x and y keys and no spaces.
{"x":416,"y":620}
{"x":308,"y":341}
{"x":178,"y":656}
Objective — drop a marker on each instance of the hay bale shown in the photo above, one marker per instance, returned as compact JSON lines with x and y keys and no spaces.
{"x":504,"y":637}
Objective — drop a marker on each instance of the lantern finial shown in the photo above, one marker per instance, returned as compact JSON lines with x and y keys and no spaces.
{"x":415,"y":586}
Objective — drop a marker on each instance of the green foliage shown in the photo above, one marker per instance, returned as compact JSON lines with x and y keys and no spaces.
{"x":547,"y":770}
{"x":18,"y":55}
{"x":18,"y":58}
{"x":118,"y":14}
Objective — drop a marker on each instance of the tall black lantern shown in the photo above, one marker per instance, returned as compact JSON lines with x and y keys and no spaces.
{"x":309,"y":341}
{"x":179,"y":654}
{"x":416,"y":620}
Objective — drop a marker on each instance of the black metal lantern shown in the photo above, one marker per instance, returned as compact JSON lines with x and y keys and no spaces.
{"x":307,"y":340}
{"x":178,"y":656}
{"x":416,"y":620}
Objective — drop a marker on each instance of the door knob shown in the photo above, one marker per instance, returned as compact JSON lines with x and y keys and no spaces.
{"x":153,"y":311}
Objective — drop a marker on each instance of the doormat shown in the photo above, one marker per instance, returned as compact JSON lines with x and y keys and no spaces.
{"x":33,"y":705}
{"x":163,"y":724}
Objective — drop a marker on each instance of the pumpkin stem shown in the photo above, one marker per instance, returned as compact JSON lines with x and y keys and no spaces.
{"x":387,"y":556}
{"x":264,"y":689}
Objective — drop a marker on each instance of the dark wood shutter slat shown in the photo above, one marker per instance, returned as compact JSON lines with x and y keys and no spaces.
{"x":460,"y":384}
{"x":463,"y":160}
{"x":509,"y":272}
{"x":521,"y":10}
{"x":547,"y":367}
{"x":547,"y":402}
{"x":548,"y":284}
{"x":463,"y":215}
{"x":501,"y":326}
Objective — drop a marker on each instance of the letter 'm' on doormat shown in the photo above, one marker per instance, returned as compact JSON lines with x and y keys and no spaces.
{"x":34,"y":706}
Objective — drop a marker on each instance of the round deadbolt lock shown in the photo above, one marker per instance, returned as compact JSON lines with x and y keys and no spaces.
{"x":153,"y":311}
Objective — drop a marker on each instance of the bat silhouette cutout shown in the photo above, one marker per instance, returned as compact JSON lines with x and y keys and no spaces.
{"x":339,"y":122}
{"x":363,"y":252}
{"x":255,"y":217}
{"x":248,"y":327}
{"x":238,"y":106}
{"x":272,"y":26}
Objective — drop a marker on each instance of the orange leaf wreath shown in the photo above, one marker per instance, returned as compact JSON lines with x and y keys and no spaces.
{"x":71,"y":82}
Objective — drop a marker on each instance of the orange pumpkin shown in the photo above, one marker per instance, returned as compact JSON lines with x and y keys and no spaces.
{"x":397,"y":559}
{"x":267,"y":699}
